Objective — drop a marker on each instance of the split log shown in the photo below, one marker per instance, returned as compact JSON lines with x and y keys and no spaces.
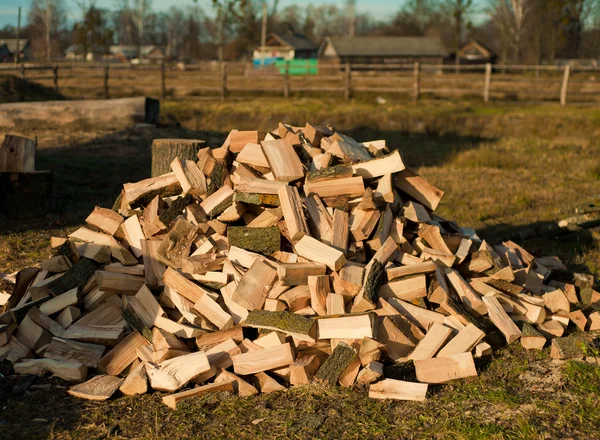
{"x":71,"y":371}
{"x":398,"y":390}
{"x":97,"y":388}
{"x":336,"y":363}
{"x":442,"y":370}
{"x":263,"y":360}
{"x":17,"y":154}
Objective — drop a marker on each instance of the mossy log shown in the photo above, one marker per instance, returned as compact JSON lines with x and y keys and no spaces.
{"x":136,"y":323}
{"x":262,"y":240}
{"x":336,"y":363}
{"x":574,"y":346}
{"x":257,"y":199}
{"x":585,"y":283}
{"x":217,"y":177}
{"x":286,"y":322}
{"x":165,"y":150}
{"x":76,"y":276}
{"x":68,"y":250}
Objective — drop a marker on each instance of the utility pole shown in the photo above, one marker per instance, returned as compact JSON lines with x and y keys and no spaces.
{"x":351,"y":17}
{"x":16,"y":56}
{"x":263,"y":35}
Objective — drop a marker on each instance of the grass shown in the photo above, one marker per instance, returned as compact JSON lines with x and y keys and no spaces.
{"x":503,"y":168}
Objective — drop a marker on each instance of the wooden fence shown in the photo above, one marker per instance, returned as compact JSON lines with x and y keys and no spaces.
{"x":412,"y":81}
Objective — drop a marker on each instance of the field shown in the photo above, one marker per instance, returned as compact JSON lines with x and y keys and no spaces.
{"x":504,"y":168}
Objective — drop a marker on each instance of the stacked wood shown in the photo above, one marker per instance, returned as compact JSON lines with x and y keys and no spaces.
{"x":243,"y":272}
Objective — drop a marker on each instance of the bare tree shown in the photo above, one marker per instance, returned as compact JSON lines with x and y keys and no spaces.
{"x":141,"y":10}
{"x":47,"y":16}
{"x":511,"y":19}
{"x":458,"y":9}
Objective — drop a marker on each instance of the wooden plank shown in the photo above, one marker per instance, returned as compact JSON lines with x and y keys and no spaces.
{"x":434,"y":340}
{"x":501,"y":320}
{"x":346,"y":327}
{"x":296,"y":274}
{"x":351,"y":187}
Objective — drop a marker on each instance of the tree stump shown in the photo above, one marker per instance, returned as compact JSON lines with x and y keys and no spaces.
{"x":17,"y":154}
{"x":26,"y":195}
{"x":165,"y":150}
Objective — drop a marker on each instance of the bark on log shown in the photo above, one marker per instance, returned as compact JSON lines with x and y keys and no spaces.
{"x":17,"y":154}
{"x":25,"y":195}
{"x":165,"y":150}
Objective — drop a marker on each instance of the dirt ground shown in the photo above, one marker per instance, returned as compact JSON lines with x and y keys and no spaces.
{"x":504,"y":169}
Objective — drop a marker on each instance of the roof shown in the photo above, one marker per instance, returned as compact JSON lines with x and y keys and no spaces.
{"x":11,"y":44}
{"x":293,"y":40}
{"x":132,"y":51}
{"x":474,"y":44}
{"x":387,"y":46}
{"x":74,"y":48}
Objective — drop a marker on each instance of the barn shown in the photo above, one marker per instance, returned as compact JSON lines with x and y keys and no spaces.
{"x":383,"y":50}
{"x":285,"y":46}
{"x":475,"y":52}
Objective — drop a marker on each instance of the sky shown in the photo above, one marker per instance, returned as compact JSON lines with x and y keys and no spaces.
{"x":379,"y":9}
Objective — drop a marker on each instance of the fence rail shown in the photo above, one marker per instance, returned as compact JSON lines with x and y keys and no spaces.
{"x":485,"y":82}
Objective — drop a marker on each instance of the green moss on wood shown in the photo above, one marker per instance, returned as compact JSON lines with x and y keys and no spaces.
{"x":257,"y":199}
{"x":529,"y":330}
{"x":68,"y":249}
{"x":166,"y":191}
{"x":221,"y":207}
{"x":337,"y":172}
{"x":117,"y":204}
{"x":262,"y":240}
{"x":574,"y":346}
{"x":336,"y":363}
{"x":136,"y":323}
{"x":77,"y":276}
{"x":217,"y":176}
{"x":585,"y":284}
{"x":285,"y":322}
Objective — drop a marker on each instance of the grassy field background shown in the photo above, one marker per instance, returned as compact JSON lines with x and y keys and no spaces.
{"x":504,"y":168}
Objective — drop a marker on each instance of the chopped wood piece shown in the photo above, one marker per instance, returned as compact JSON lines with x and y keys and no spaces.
{"x":136,"y":381}
{"x":347,"y":327}
{"x":372,"y":372}
{"x":120,"y":357}
{"x":283,"y":160}
{"x":190,"y":177}
{"x":464,"y":341}
{"x":14,"y":350}
{"x":551,"y":329}
{"x":441,"y":370}
{"x":266,"y":384}
{"x":336,"y":363}
{"x":292,"y":324}
{"x":263,"y":360}
{"x":63,"y":349}
{"x":262,"y":240}
{"x":334,"y":304}
{"x":254,"y":286}
{"x":362,"y":223}
{"x":467,"y":294}
{"x":71,"y":371}
{"x":418,"y":188}
{"x":240,"y":386}
{"x":97,"y":388}
{"x":146,"y":307}
{"x":119,"y":282}
{"x":142,"y":192}
{"x":105,"y":219}
{"x":557,"y":302}
{"x":58,"y":303}
{"x":177,"y":243}
{"x":218,"y":201}
{"x":296,"y":274}
{"x":407,"y":289}
{"x":434,"y":339}
{"x":593,"y":321}
{"x":291,"y":205}
{"x":320,"y":287}
{"x":173,"y":400}
{"x":398,"y":344}
{"x":350,"y":186}
{"x":390,"y":164}
{"x":579,"y":319}
{"x":570,"y":347}
{"x":175,"y":373}
{"x":531,"y":339}
{"x":398,"y":390}
{"x":313,"y":250}
{"x":303,"y":369}
{"x":76,"y":276}
{"x":501,"y":320}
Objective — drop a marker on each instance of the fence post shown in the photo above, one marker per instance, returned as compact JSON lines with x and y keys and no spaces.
{"x":223,"y":80}
{"x":417,"y":81}
{"x":106,"y":94}
{"x":163,"y":81}
{"x":22,"y":71}
{"x":487,"y":83}
{"x":565,"y":85}
{"x":348,"y":88}
{"x":55,"y":79}
{"x":286,"y":81}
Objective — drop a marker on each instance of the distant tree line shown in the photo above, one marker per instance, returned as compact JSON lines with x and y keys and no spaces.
{"x":519,"y":31}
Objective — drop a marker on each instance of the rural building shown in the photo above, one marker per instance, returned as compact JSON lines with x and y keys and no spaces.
{"x":383,"y":50}
{"x":10,"y":47}
{"x":475,"y":52}
{"x":125,"y":54}
{"x":285,"y":46}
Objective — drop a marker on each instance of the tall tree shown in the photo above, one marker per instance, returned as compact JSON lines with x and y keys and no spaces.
{"x":141,"y":12}
{"x":458,"y":10}
{"x":93,"y":32}
{"x":47,"y":16}
{"x":511,"y":19}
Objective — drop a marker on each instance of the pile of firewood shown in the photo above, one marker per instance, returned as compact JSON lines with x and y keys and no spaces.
{"x":277,"y":260}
